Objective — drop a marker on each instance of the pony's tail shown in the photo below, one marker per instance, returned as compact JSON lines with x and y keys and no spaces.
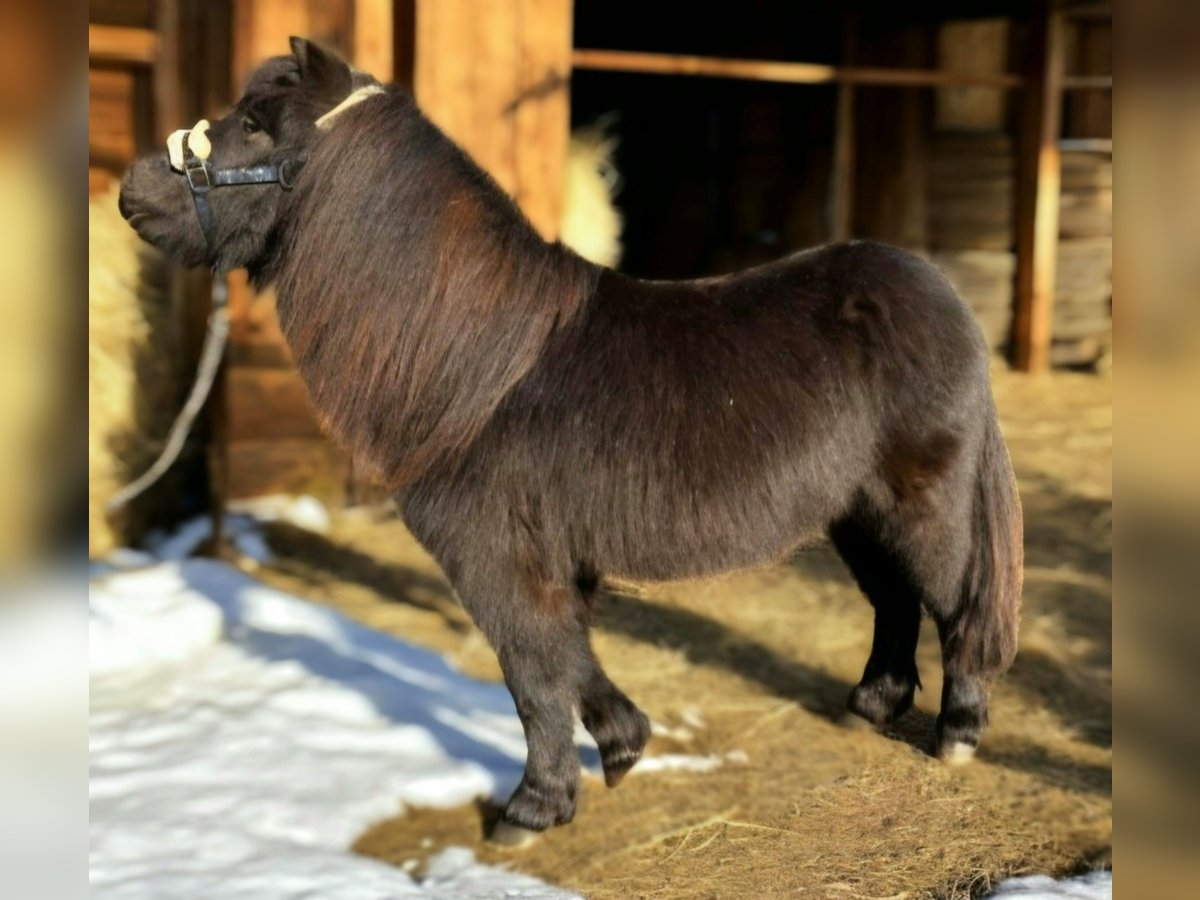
{"x":983,"y":639}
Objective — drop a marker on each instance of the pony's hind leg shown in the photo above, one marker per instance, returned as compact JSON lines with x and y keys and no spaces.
{"x":953,"y":548}
{"x":890,"y":678}
{"x":620,"y":729}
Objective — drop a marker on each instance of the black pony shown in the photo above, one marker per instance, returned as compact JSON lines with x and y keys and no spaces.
{"x":545,"y":422}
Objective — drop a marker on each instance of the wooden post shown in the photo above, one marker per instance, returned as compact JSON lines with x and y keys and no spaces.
{"x":494,"y":76}
{"x":373,"y":38}
{"x":1038,"y":174}
{"x":842,"y":176}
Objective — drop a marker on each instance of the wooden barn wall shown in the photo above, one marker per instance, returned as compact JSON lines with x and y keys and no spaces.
{"x":937,"y":172}
{"x":892,"y":126}
{"x":121,"y":110}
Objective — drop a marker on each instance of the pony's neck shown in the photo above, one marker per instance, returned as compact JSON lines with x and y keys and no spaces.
{"x":412,"y":291}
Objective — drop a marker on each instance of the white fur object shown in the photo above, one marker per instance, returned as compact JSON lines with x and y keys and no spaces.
{"x":591,"y":224}
{"x":352,"y":99}
{"x":197,"y":142}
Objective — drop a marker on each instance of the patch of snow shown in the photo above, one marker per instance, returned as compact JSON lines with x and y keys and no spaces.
{"x":303,"y":511}
{"x":1092,"y":886}
{"x":244,"y":767}
{"x":182,"y":541}
{"x":242,"y":524}
{"x":678,"y":733}
{"x":682,"y":762}
{"x":454,"y":874}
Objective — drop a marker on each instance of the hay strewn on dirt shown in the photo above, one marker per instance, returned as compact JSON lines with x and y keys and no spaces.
{"x":761,"y":662}
{"x":133,"y":351}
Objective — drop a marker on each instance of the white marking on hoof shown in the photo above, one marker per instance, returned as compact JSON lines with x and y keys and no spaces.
{"x":958,"y":753}
{"x":509,"y":835}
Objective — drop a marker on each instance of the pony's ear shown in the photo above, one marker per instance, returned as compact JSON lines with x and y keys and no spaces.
{"x":325,"y":71}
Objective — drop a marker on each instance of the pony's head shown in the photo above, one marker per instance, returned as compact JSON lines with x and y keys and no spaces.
{"x":240,"y":165}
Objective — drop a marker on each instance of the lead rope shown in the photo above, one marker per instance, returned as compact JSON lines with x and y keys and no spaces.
{"x":206,"y":373}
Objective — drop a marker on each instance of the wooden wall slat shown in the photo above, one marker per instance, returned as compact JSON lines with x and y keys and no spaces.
{"x":373,"y":37}
{"x":1039,"y":171}
{"x":542,"y":110}
{"x":285,"y":466}
{"x":494,"y":77}
{"x":119,"y":44}
{"x":267,"y":403}
{"x":111,"y":93}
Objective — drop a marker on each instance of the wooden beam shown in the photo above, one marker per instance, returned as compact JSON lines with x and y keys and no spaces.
{"x":1037,"y":202}
{"x":374,"y":33}
{"x":842,"y":175}
{"x":168,"y":112}
{"x":783,"y":72}
{"x":128,"y":46}
{"x":542,"y":111}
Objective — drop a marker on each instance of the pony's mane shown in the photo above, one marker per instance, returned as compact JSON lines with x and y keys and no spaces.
{"x":413,"y":293}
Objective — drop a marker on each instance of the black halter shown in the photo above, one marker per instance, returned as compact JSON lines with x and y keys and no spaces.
{"x":203,"y":177}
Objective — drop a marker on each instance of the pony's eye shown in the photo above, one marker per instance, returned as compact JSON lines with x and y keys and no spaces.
{"x":250,"y":126}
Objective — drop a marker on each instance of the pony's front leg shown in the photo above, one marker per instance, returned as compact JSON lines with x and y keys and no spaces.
{"x":539,"y":633}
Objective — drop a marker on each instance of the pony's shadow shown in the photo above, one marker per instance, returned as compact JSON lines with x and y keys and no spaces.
{"x":701,"y":639}
{"x":707,"y":642}
{"x":472,"y":721}
{"x":320,"y":561}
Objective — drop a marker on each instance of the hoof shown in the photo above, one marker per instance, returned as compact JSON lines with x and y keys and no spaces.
{"x":507,"y":834}
{"x":884,"y":700}
{"x":956,"y":753}
{"x":617,"y":764}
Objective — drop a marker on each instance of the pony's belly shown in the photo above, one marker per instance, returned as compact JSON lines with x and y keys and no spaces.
{"x":696,"y":549}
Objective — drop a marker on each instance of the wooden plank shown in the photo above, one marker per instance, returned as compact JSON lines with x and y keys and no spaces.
{"x":267,"y":404}
{"x":1089,"y":110}
{"x":168,"y":111}
{"x":373,"y":38}
{"x":123,"y":45}
{"x":978,"y":48}
{"x":842,"y":172}
{"x":261,"y":29}
{"x":129,"y":13}
{"x":111,"y":105}
{"x":784,"y":72}
{"x":494,"y":77}
{"x":466,"y":75}
{"x":541,"y":110}
{"x":285,"y":466}
{"x":1038,"y":195}
{"x":99,"y":180}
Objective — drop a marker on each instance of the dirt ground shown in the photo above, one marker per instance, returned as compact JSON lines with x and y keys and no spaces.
{"x":761,"y":662}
